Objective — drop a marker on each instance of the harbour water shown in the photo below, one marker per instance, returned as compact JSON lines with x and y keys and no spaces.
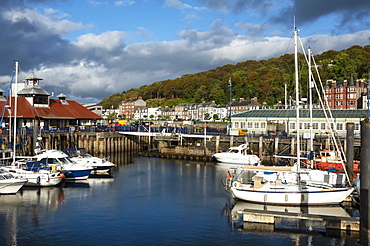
{"x":145,"y":201}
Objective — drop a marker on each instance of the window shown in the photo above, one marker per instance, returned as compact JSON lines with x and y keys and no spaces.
{"x":263,"y":124}
{"x":249,"y":124}
{"x":242,"y":125}
{"x":338,"y":103}
{"x":256,"y":124}
{"x":292,"y":126}
{"x":323,"y":126}
{"x":351,"y":96}
{"x":315,"y":126}
{"x":236,"y":124}
{"x":339,"y":96}
{"x":339,"y":126}
{"x":357,"y":126}
{"x":306,"y":125}
{"x":351,"y":103}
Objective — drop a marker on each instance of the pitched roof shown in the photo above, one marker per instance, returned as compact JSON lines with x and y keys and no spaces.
{"x":303,"y":113}
{"x":57,"y":110}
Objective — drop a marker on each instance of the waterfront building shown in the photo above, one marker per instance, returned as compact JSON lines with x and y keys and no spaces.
{"x":278,"y":121}
{"x":35,"y":108}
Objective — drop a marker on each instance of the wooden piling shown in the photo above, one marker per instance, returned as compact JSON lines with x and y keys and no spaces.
{"x":365,"y":184}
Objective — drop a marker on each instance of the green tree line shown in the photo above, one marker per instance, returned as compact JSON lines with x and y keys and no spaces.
{"x":264,"y":79}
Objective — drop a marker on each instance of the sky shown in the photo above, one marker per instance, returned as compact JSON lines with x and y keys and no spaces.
{"x":92,"y":49}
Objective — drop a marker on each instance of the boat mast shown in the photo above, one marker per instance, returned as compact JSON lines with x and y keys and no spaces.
{"x":297,"y":96}
{"x":15,"y":110}
{"x":310,"y":86}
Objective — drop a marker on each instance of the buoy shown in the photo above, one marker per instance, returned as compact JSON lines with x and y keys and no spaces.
{"x":62,"y":175}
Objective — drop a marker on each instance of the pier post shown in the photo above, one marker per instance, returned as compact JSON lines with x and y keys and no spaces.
{"x":217,"y":143}
{"x":231,"y":141}
{"x":365,"y":184}
{"x":276,"y":149}
{"x":350,"y":148}
{"x":260,"y":147}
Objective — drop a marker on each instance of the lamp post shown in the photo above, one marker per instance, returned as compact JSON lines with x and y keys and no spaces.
{"x":230,"y":124}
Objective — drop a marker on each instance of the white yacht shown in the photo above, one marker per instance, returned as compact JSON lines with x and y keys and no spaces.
{"x":238,"y":155}
{"x":80,"y":156}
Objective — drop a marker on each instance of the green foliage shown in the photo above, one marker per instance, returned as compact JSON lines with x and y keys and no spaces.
{"x":263,"y":79}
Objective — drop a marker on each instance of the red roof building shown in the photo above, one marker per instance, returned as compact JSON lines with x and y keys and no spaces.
{"x":35,"y":107}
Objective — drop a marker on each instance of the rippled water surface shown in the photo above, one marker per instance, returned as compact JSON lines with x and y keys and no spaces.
{"x":145,"y":201}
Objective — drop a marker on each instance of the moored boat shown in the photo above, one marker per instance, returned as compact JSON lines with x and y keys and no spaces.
{"x":80,"y":156}
{"x":304,"y":187}
{"x":58,"y":160}
{"x":37,"y":174}
{"x":238,"y":155}
{"x":10,"y":184}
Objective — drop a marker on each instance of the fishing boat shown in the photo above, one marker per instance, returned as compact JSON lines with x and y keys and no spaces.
{"x":331,"y":160}
{"x":97,"y":164}
{"x":238,"y":155}
{"x":298,"y":186}
{"x":10,"y":184}
{"x":58,"y":160}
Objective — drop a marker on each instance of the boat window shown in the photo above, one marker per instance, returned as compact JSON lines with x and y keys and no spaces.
{"x":64,"y":160}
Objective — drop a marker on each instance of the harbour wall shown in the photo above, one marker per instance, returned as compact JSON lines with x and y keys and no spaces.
{"x":105,"y":143}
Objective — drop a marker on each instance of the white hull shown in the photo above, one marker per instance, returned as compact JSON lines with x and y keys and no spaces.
{"x":237,"y":159}
{"x":43,"y":181}
{"x":290,"y":194}
{"x":11,"y":186}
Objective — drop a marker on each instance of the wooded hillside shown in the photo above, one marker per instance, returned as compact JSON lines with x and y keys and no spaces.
{"x":263,"y":79}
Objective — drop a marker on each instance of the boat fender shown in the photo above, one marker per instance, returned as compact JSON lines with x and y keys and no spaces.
{"x":236,"y":185}
{"x":38,"y":180}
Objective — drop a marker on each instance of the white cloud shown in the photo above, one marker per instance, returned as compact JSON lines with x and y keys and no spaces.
{"x":45,"y":25}
{"x":107,"y":41}
{"x":124,"y":3}
{"x":177,"y":4}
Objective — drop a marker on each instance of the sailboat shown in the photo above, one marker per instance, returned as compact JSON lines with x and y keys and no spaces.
{"x":34,"y":172}
{"x":295,"y":186}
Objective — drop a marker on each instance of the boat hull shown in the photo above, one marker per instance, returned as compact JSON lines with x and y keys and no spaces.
{"x":237,"y":159}
{"x":292,"y":197}
{"x":76,"y":174}
{"x":43,"y":181}
{"x":11,"y":186}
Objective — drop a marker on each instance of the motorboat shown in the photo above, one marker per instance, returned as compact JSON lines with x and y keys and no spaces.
{"x":59,"y":160}
{"x":10,"y":184}
{"x":238,"y":155}
{"x":36,"y":173}
{"x":97,"y":164}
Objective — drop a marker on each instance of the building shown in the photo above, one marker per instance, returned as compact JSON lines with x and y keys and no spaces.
{"x":35,"y":108}
{"x":284,"y":120}
{"x":96,"y":108}
{"x":344,"y":94}
{"x":129,"y":106}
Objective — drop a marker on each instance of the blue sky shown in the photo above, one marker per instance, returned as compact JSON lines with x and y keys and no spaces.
{"x":91,"y":49}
